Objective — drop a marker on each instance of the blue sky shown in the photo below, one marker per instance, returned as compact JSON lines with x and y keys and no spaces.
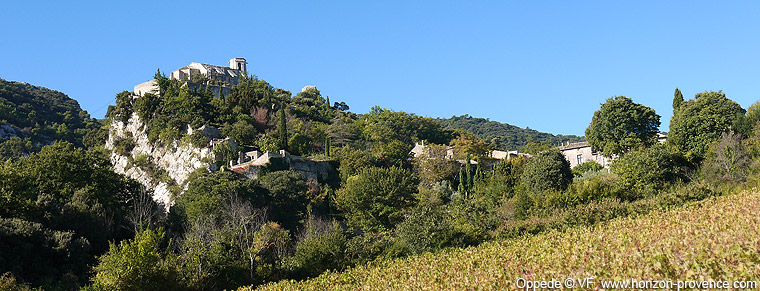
{"x":546,"y":65}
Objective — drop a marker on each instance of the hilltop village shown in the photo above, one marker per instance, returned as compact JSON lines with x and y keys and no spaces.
{"x":211,"y":178}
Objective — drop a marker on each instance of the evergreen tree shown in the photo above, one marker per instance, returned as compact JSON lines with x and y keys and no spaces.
{"x":327,"y":146}
{"x":468,"y":172}
{"x":677,"y":99}
{"x":462,"y":181}
{"x":283,"y":128}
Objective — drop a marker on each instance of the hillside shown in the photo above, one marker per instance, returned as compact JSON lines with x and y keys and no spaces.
{"x":504,"y":136}
{"x":714,"y":239}
{"x":32,"y":116}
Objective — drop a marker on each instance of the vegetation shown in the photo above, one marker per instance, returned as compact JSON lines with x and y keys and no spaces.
{"x":504,"y":136}
{"x":621,"y":125}
{"x":648,"y":170}
{"x":59,"y":208}
{"x":549,"y":170}
{"x":375,"y":198}
{"x":33,"y":116}
{"x":102,"y":232}
{"x":701,"y":121}
{"x":714,"y":239}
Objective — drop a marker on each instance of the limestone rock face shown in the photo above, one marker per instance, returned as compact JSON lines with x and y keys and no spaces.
{"x":163,"y":169}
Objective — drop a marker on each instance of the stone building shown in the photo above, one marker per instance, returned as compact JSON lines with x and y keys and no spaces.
{"x":201,"y":76}
{"x":419,"y":148}
{"x":580,"y":152}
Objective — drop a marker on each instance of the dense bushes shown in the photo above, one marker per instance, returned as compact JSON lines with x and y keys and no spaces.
{"x":587,"y":166}
{"x":426,"y":228}
{"x":375,"y":198}
{"x":645,"y":171}
{"x":549,"y":170}
{"x":137,"y":264}
{"x":698,"y":122}
{"x":41,"y":116}
{"x":60,"y":207}
{"x":727,"y":160}
{"x":321,"y":246}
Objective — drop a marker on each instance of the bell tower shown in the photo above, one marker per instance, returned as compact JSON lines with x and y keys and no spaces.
{"x":239,"y":64}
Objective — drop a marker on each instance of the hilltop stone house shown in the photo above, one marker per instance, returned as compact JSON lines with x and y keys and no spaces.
{"x":218,"y":79}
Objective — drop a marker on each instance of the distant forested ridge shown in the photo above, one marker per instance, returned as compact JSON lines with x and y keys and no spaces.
{"x":502,"y":135}
{"x":33,"y":116}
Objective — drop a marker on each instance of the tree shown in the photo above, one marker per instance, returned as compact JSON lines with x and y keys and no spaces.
{"x":321,"y":247}
{"x":433,"y":165}
{"x":286,"y":197}
{"x":747,"y":123}
{"x":393,"y":153}
{"x":242,"y":132}
{"x":646,"y":170}
{"x":376,"y":198}
{"x":535,"y":147}
{"x":208,"y":194}
{"x":677,"y":99}
{"x":136,"y":264}
{"x":621,"y":125}
{"x":727,"y":160}
{"x":700,"y":121}
{"x":467,"y":144}
{"x":549,"y":170}
{"x":283,"y":128}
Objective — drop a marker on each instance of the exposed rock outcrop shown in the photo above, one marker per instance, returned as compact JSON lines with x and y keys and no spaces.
{"x":163,"y":169}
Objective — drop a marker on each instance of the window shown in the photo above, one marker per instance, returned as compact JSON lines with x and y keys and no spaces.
{"x":580,"y":159}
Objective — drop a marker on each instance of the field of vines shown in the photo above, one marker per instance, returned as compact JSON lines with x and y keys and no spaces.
{"x":717,"y":238}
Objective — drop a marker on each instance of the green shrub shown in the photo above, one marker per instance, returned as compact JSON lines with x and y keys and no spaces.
{"x":321,"y":247}
{"x":587,"y":166}
{"x":136,"y":264}
{"x":596,"y":188}
{"x":645,"y":171}
{"x":547,"y":170}
{"x":123,"y":145}
{"x":8,"y":283}
{"x":376,"y":198}
{"x":726,"y":160}
{"x":425,"y":229}
{"x":286,"y":197}
{"x":472,"y":218}
{"x":198,"y":139}
{"x":370,"y":246}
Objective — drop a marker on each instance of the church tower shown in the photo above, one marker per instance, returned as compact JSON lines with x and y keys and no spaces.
{"x":239,"y":64}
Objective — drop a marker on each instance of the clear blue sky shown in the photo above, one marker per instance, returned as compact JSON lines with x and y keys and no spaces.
{"x":546,"y":65}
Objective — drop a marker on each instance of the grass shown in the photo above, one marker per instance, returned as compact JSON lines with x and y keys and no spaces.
{"x":717,"y":238}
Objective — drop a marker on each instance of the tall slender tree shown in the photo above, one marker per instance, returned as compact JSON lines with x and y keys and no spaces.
{"x":677,"y":99}
{"x":283,"y":128}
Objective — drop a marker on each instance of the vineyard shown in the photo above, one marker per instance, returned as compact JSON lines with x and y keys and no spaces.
{"x":717,"y":238}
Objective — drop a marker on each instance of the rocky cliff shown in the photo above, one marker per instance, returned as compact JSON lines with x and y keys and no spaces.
{"x":164,"y":169}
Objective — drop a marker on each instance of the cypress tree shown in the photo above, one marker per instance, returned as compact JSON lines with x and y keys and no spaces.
{"x":283,"y":128}
{"x":468,"y":172}
{"x":327,"y":146}
{"x":677,"y":99}
{"x":462,"y":181}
